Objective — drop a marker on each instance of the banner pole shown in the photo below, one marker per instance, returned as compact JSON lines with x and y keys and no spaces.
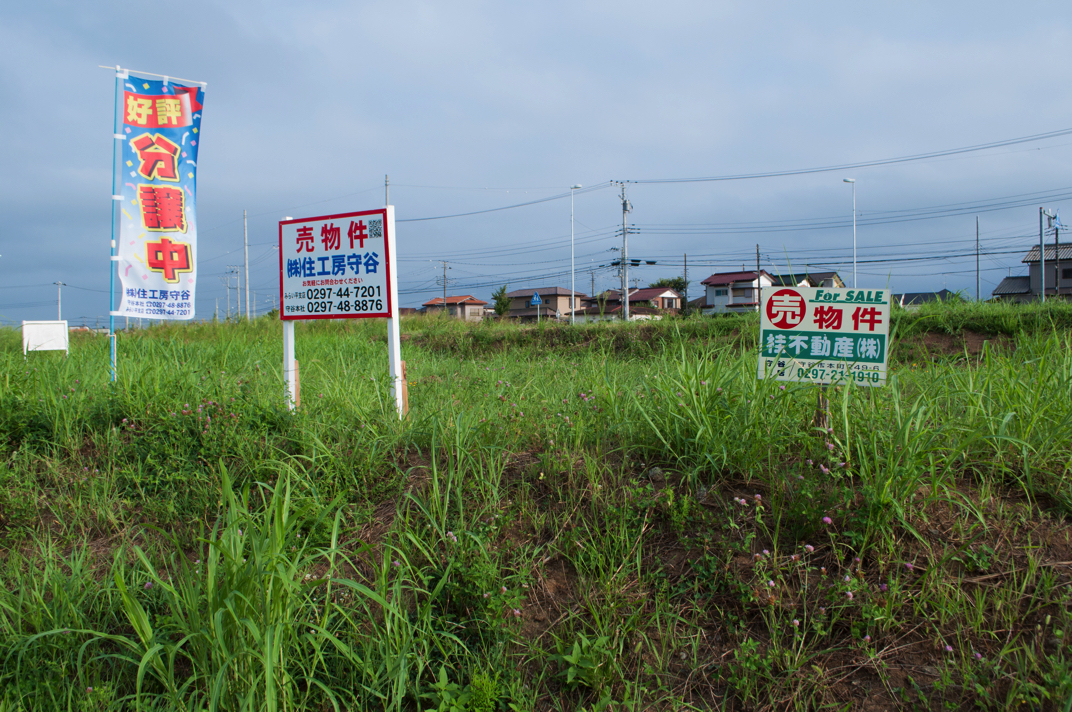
{"x":394,"y":339}
{"x":117,"y":207}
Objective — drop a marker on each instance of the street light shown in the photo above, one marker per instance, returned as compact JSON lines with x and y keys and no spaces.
{"x":573,"y":275}
{"x":853,"y":181}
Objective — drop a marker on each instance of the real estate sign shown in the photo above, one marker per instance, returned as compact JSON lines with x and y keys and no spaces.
{"x":337,"y":266}
{"x":820,"y":335}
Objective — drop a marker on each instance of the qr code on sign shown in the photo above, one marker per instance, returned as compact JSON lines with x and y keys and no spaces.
{"x":375,"y":228}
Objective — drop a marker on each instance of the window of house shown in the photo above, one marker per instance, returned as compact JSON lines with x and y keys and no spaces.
{"x":1066,"y":273}
{"x":721,"y":292}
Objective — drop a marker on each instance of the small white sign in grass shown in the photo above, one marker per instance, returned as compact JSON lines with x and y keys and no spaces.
{"x":44,"y":336}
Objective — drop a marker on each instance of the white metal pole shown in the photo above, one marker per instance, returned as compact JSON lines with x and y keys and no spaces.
{"x":245,"y":240}
{"x":572,"y":269}
{"x":288,"y":364}
{"x":394,"y":339}
{"x":1042,"y":258}
{"x":853,"y":181}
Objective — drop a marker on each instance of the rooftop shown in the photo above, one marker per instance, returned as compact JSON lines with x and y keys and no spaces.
{"x":466,"y":299}
{"x":1051,"y":253}
{"x":913,"y":298}
{"x":731,"y":277}
{"x":1013,"y":285}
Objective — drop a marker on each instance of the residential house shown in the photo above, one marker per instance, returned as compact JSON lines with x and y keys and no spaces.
{"x":660,"y":298}
{"x":467,"y":307}
{"x":735,"y":292}
{"x":914,"y":300}
{"x":555,"y":301}
{"x":1015,"y":289}
{"x":613,"y":312}
{"x":1028,"y":287}
{"x":830,"y":280}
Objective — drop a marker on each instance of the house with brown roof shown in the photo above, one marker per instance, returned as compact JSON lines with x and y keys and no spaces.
{"x":659,"y":298}
{"x":613,"y":312}
{"x":734,"y":292}
{"x":555,"y":301}
{"x":467,"y":307}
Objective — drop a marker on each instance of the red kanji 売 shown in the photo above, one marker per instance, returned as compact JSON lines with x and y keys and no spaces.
{"x":828,"y":318}
{"x":162,"y":208}
{"x":866,"y":315}
{"x":168,"y":257}
{"x":785,"y":308}
{"x":159,"y":157}
{"x":331,"y":237}
{"x":357,"y":232}
{"x":305,"y":238}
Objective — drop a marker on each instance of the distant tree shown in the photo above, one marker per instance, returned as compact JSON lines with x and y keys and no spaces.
{"x":675,"y":283}
{"x":502,"y":302}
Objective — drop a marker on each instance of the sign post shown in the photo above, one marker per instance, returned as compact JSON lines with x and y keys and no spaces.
{"x":339,"y":267}
{"x":537,"y":301}
{"x":825,"y":336}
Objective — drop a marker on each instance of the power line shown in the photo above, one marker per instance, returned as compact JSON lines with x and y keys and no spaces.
{"x":548,"y":199}
{"x":866,"y":164}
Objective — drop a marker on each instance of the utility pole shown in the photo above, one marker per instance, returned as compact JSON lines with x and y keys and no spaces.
{"x":1057,"y":254}
{"x":685,"y":306}
{"x":759,"y":283}
{"x":59,"y":299}
{"x":592,"y":273}
{"x":627,"y":207}
{"x":234,"y":270}
{"x":977,"y":258}
{"x":445,"y":282}
{"x":386,"y":189}
{"x":245,"y":242}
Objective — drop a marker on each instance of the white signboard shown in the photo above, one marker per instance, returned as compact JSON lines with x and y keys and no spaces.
{"x":819,"y":335}
{"x":44,"y":336}
{"x":336,"y":266}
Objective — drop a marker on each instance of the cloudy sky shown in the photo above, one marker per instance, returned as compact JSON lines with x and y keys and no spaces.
{"x":470,"y":106}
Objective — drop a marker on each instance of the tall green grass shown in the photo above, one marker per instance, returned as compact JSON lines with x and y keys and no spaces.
{"x":557,"y":524}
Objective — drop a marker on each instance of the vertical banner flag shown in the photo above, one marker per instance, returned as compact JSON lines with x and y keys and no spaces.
{"x":819,"y":335}
{"x":336,"y":267}
{"x":157,"y":247}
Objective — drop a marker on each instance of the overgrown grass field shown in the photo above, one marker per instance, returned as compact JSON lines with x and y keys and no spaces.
{"x":602,"y":517}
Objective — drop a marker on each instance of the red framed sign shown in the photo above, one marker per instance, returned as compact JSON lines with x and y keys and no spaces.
{"x":337,"y":266}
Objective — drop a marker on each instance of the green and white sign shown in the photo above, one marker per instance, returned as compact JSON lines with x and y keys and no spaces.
{"x":820,"y":335}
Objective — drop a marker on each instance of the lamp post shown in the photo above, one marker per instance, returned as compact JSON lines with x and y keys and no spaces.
{"x":573,"y":276}
{"x":853,"y":181}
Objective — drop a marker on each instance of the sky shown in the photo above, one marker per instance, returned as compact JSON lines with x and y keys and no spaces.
{"x":473,"y":106}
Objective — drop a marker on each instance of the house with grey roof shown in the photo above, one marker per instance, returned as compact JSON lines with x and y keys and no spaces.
{"x":1058,"y":278}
